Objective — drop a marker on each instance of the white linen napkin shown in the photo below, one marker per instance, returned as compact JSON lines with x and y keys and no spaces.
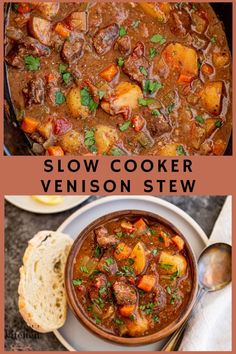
{"x":210,"y":327}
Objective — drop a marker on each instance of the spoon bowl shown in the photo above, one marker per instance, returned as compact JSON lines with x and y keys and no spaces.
{"x":214,"y":267}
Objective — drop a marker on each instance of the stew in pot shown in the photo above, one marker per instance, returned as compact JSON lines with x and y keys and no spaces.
{"x":132,"y":276}
{"x":120,"y":78}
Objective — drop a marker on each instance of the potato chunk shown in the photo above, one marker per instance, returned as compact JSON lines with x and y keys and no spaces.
{"x":211,"y":96}
{"x":105,"y":137}
{"x":137,"y":327}
{"x":160,"y":11}
{"x":48,"y":9}
{"x":181,"y":58}
{"x":40,"y":29}
{"x":125,"y":96}
{"x":220,"y":59}
{"x":171,"y":263}
{"x":169,"y":150}
{"x":138,"y":254}
{"x":75,"y":106}
{"x":77,"y":21}
{"x":71,"y":141}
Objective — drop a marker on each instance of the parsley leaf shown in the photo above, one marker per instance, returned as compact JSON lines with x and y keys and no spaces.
{"x":155,"y":112}
{"x":125,"y":126}
{"x":115,"y":151}
{"x":86,"y":99}
{"x":165,"y":266}
{"x":145,"y":101}
{"x":180,"y":150}
{"x":97,"y":251}
{"x":66,"y":77}
{"x":77,"y":282}
{"x":143,"y":70}
{"x":152,"y":52}
{"x":199,"y":119}
{"x":31,"y":63}
{"x":122,"y":31}
{"x":158,"y":38}
{"x":151,"y":86}
{"x":120,"y":61}
{"x":171,"y":107}
{"x":59,"y":98}
{"x":218,"y":124}
{"x":89,"y":140}
{"x":101,"y":94}
{"x":213,"y":39}
{"x":62,"y":68}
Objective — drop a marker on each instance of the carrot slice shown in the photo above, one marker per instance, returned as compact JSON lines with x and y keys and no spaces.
{"x":126,"y":310}
{"x":55,"y":151}
{"x":29,"y":125}
{"x":61,"y":29}
{"x":109,"y":73}
{"x":140,"y":226}
{"x":178,"y":241}
{"x":147,"y":282}
{"x":122,"y":251}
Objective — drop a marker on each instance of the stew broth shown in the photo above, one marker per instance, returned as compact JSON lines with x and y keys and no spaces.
{"x":120,"y":78}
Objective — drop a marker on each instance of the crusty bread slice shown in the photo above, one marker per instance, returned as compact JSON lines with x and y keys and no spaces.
{"x":42,"y":298}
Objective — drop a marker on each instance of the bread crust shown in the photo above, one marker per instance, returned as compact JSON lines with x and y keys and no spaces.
{"x":60,"y":246}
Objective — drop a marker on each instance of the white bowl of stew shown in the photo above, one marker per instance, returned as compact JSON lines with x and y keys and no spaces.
{"x":131,"y":277}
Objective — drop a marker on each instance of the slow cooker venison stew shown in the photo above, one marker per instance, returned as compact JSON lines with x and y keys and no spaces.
{"x":132,"y":276}
{"x":120,"y":78}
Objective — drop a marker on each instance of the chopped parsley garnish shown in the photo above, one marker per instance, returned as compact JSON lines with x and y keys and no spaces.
{"x":115,"y":151}
{"x":148,"y":308}
{"x":151,"y":86}
{"x":154,"y":252}
{"x":171,"y":107}
{"x":218,"y":124}
{"x":97,"y":251}
{"x":120,"y":61}
{"x":174,"y":275}
{"x":15,"y":7}
{"x":145,"y":101}
{"x":152,"y":52}
{"x":132,"y":317}
{"x":135,"y":23}
{"x":109,"y":261}
{"x":31,"y":63}
{"x":62,"y":68}
{"x":86,"y":99}
{"x":122,"y":31}
{"x":102,"y":290}
{"x":77,"y":282}
{"x":168,"y":289}
{"x":199,"y":119}
{"x":118,"y":321}
{"x":180,"y":150}
{"x":125,"y":126}
{"x":155,"y":112}
{"x":165,"y":266}
{"x":119,"y":234}
{"x":213,"y":39}
{"x":59,"y":98}
{"x":126,"y":271}
{"x":143,"y":70}
{"x":89,"y":140}
{"x":158,"y":38}
{"x":101,"y":94}
{"x":66,"y":77}
{"x":84,"y":269}
{"x":131,"y":261}
{"x":156,"y":318}
{"x":97,"y":319}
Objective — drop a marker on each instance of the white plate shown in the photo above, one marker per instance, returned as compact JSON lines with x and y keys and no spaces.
{"x":26,"y":202}
{"x":73,"y":335}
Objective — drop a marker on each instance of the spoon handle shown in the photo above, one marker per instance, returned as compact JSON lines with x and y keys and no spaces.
{"x":174,"y":339}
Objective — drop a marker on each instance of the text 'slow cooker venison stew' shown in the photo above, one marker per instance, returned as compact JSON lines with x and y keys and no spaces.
{"x":120,"y":78}
{"x":132,"y":276}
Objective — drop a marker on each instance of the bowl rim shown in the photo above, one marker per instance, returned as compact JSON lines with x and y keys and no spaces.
{"x":77,"y":308}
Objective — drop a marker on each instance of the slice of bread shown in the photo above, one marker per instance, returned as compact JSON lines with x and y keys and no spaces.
{"x":42,"y":298}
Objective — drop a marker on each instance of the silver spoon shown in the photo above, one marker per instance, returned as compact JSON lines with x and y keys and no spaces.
{"x":214,"y":273}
